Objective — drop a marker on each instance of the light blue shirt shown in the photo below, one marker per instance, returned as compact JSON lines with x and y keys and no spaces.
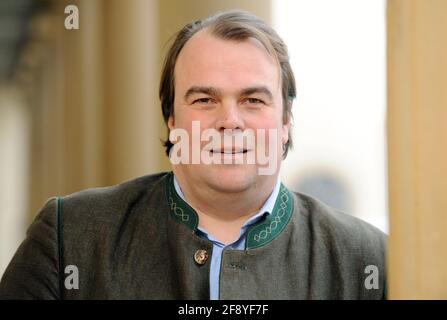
{"x":239,"y":244}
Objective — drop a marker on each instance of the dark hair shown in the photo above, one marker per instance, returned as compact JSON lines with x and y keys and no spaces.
{"x":230,"y":25}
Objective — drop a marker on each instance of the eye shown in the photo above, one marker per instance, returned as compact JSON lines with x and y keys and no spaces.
{"x":203,"y":101}
{"x":253,"y":101}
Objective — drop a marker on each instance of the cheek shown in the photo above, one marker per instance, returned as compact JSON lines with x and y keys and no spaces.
{"x":272,"y":133}
{"x":266,"y":120}
{"x":184,"y":118}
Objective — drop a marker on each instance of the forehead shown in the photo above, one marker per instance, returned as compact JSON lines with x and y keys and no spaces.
{"x":211,"y":61}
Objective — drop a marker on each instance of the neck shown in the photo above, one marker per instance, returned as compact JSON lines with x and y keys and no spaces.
{"x":222,"y":214}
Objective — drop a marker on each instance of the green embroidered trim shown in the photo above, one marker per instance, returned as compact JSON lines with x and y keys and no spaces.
{"x":266,"y":231}
{"x":258,"y":235}
{"x":180,"y":210}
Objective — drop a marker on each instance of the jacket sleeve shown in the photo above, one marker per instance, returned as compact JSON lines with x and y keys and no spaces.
{"x":33,"y":272}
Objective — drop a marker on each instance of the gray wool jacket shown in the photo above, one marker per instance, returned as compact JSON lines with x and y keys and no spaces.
{"x":138,"y":240}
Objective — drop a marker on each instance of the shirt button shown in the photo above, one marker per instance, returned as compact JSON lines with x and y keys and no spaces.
{"x":200,"y":257}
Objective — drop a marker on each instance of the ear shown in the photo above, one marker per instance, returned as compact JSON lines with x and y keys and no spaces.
{"x":171,"y":122}
{"x":285,"y":131}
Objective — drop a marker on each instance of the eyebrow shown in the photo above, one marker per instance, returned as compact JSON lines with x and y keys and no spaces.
{"x":259,"y":89}
{"x":201,"y":89}
{"x":216,"y":92}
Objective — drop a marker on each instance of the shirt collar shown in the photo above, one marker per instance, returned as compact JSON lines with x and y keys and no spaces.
{"x":258,"y":233}
{"x":265,"y":210}
{"x":267,"y":207}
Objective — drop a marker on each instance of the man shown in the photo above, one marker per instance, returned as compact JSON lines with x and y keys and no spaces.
{"x":217,"y":227}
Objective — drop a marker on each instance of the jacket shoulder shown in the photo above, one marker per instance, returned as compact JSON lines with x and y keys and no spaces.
{"x":116,"y":193}
{"x":348,"y":246}
{"x":339,"y":226}
{"x":354,"y":243}
{"x":105,"y":202}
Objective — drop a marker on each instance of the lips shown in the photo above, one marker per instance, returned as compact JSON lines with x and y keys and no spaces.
{"x":232,"y":151}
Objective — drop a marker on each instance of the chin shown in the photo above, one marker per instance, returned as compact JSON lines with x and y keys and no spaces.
{"x":231,"y":178}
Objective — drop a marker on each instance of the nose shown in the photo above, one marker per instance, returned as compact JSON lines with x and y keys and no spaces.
{"x":229,"y":117}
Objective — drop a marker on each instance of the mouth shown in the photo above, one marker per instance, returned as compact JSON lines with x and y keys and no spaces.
{"x":229,"y":152}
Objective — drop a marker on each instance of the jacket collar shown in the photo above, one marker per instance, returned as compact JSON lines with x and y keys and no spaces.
{"x":258,"y":234}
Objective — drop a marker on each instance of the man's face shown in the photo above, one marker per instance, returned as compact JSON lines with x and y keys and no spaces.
{"x":232,"y":86}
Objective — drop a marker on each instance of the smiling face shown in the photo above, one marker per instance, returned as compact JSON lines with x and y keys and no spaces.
{"x":229,"y":86}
